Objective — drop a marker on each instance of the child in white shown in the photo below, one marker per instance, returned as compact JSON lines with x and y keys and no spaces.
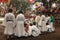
{"x":33,"y":30}
{"x":49,"y":29}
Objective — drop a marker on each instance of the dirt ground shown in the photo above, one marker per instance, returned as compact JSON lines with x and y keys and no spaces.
{"x":46,"y":36}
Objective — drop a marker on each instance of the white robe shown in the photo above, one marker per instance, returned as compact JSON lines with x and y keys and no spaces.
{"x":34,"y":31}
{"x":49,"y":28}
{"x":47,"y":20}
{"x":9,"y":23}
{"x":38,"y":24}
{"x":37,"y":19}
{"x":43,"y":23}
{"x":52,"y":28}
{"x":20,"y":30}
{"x":50,"y":23}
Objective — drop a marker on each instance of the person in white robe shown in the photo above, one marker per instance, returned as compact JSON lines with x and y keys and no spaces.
{"x":33,"y":30}
{"x":49,"y":29}
{"x":20,"y":30}
{"x":43,"y":23}
{"x":27,"y":23}
{"x":9,"y":23}
{"x":37,"y":20}
{"x":49,"y":24}
{"x":52,"y":27}
{"x":47,"y":19}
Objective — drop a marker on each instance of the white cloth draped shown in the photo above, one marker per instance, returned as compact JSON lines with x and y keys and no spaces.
{"x":43,"y":23}
{"x":9,"y":23}
{"x":48,"y":19}
{"x":34,"y":31}
{"x":37,"y":19}
{"x":20,"y":30}
{"x":52,"y":28}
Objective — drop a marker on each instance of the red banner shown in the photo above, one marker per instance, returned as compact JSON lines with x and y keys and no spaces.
{"x":0,"y":1}
{"x":3,"y":1}
{"x":6,"y":1}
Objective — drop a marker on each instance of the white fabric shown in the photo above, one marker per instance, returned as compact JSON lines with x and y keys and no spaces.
{"x":41,"y":18}
{"x":51,"y":24}
{"x":47,"y":19}
{"x":36,"y":31}
{"x":33,"y":7}
{"x":38,"y":22}
{"x":26,"y":34}
{"x":20,"y":30}
{"x":27,"y":21}
{"x":9,"y":25}
{"x":48,"y":26}
{"x":29,"y":33}
{"x":43,"y":23}
{"x":37,"y":19}
{"x":30,"y":30}
{"x":54,"y":5}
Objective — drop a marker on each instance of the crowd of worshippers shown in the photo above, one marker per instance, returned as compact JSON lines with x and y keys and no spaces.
{"x":21,"y":26}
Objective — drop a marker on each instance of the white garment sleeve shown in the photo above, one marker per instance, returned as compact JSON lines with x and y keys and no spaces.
{"x":36,"y":31}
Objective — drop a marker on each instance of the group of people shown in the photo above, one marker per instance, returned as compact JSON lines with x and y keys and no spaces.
{"x":21,"y":26}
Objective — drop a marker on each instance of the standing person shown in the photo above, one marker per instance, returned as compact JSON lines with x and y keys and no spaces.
{"x":43,"y":23}
{"x":9,"y":23}
{"x":52,"y":21}
{"x":20,"y":30}
{"x":37,"y":20}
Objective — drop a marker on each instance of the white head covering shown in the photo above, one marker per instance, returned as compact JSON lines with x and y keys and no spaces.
{"x":53,"y":5}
